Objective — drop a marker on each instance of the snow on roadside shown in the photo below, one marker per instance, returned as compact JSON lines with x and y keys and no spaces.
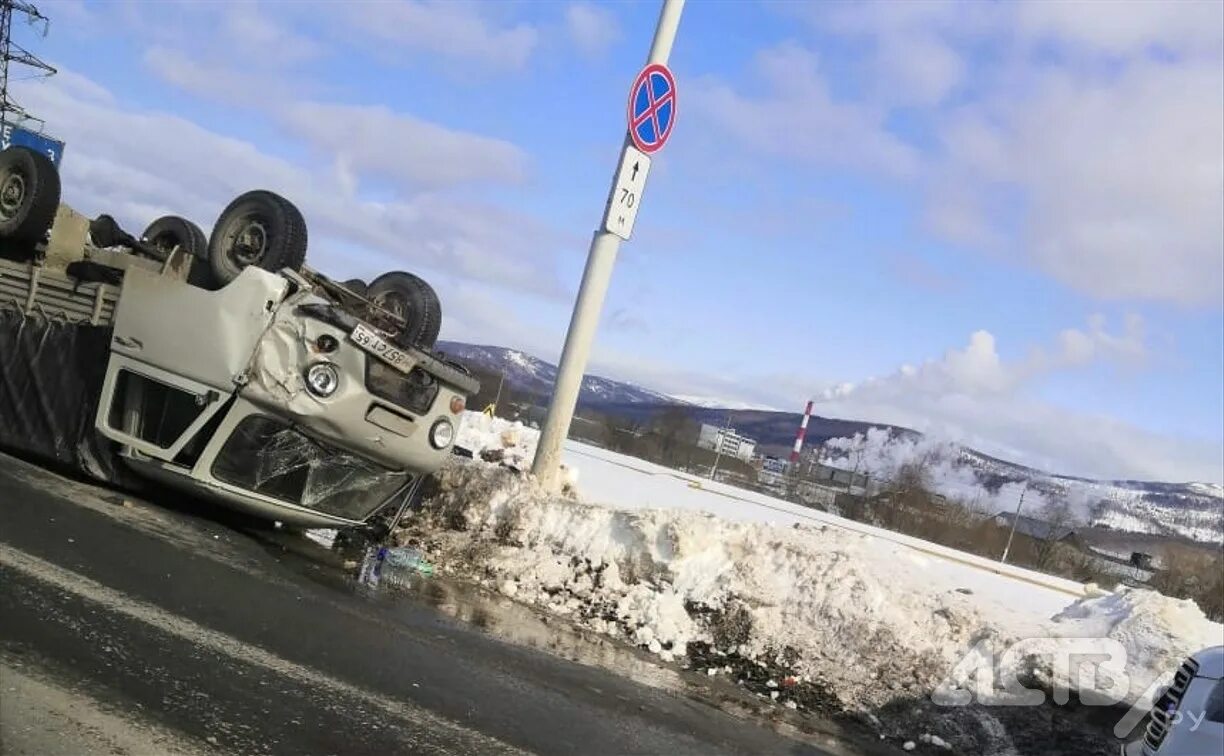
{"x":818,"y":599}
{"x":864,"y":617}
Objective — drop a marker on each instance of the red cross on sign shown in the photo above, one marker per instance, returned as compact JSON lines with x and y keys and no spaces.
{"x":652,"y":108}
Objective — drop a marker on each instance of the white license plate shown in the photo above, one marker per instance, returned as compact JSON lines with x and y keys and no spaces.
{"x":369,"y":340}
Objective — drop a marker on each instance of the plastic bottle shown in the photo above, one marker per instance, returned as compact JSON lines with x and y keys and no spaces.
{"x":407,"y":559}
{"x":371,"y":567}
{"x":392,"y":567}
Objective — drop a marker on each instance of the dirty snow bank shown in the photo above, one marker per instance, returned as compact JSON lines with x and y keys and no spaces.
{"x":848,"y":612}
{"x":511,"y":443}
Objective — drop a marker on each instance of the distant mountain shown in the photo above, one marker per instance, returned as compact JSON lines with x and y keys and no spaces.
{"x":1180,"y":510}
{"x":536,"y":376}
{"x":715,"y":403}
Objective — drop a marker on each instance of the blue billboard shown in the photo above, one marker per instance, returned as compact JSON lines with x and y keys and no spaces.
{"x":12,"y":135}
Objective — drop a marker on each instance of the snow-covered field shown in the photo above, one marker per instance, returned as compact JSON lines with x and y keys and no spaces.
{"x":678,"y":564}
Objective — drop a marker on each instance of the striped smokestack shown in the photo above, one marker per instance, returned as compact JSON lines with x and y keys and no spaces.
{"x":807,"y":412}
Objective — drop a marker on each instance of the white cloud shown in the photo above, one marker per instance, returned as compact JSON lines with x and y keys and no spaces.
{"x":973,"y":396}
{"x":1083,"y":139}
{"x":1122,"y":178}
{"x":450,"y":29}
{"x":1125,"y":27}
{"x":136,"y":164}
{"x":378,"y":141}
{"x":239,"y":53}
{"x":369,"y":140}
{"x":977,"y":370}
{"x":251,"y":35}
{"x":913,"y":64}
{"x":216,"y":79}
{"x":592,"y":29}
{"x":798,"y":117}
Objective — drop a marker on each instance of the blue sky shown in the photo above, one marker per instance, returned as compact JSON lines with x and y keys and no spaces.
{"x":998,"y":223}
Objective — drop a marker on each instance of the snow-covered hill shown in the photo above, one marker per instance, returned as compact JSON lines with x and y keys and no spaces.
{"x":1187,"y":510}
{"x":710,"y":402}
{"x":534,"y":375}
{"x":1179,"y":510}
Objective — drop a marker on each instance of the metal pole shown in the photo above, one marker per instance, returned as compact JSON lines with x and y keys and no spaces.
{"x":595,"y":280}
{"x":497,"y":399}
{"x":1015,"y":520}
{"x":718,"y":444}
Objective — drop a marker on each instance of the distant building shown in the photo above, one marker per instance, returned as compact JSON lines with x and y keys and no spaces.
{"x":726,"y":441}
{"x":771,"y":474}
{"x":774,"y":464}
{"x":814,"y":493}
{"x":1038,"y":530}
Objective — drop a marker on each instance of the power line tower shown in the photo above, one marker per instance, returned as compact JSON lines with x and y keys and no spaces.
{"x":11,"y":52}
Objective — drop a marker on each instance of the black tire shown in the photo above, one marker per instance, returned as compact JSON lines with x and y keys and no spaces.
{"x":412,"y":299}
{"x":357,"y":286}
{"x":29,"y":194}
{"x":170,"y":231}
{"x":258,"y":228}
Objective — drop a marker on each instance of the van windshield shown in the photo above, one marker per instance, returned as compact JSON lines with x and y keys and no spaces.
{"x":274,"y":459}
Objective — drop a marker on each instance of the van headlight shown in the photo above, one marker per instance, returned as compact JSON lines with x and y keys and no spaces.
{"x":322,"y":378}
{"x":441,"y":434}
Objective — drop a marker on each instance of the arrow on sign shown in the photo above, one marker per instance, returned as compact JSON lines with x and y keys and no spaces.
{"x":626,"y":195}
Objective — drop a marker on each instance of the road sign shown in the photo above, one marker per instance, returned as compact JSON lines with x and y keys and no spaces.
{"x":652,"y":108}
{"x":16,"y":136}
{"x":660,"y":111}
{"x":626,"y":193}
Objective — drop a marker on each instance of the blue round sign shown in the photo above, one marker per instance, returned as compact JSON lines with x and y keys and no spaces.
{"x":652,"y":108}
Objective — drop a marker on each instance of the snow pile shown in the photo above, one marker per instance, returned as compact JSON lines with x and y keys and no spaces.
{"x":1155,"y":632}
{"x":859,"y":616}
{"x":512,"y":443}
{"x":821,"y":597}
{"x":767,"y":591}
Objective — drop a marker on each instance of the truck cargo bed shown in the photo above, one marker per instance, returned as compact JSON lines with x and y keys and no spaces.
{"x":51,"y":292}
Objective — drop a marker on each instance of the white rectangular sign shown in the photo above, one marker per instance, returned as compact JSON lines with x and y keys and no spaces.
{"x":627,"y":192}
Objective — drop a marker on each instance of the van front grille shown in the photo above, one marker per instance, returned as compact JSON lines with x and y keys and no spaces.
{"x":1160,"y":721}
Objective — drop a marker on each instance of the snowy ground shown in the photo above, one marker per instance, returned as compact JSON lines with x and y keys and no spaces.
{"x":704,"y":573}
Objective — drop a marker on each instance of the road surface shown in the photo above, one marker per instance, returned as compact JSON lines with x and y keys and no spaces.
{"x":132,"y":628}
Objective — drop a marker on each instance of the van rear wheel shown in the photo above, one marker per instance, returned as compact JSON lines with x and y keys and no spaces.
{"x":170,"y":231}
{"x":258,"y":228}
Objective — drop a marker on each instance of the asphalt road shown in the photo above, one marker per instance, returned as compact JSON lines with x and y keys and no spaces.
{"x":131,"y":628}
